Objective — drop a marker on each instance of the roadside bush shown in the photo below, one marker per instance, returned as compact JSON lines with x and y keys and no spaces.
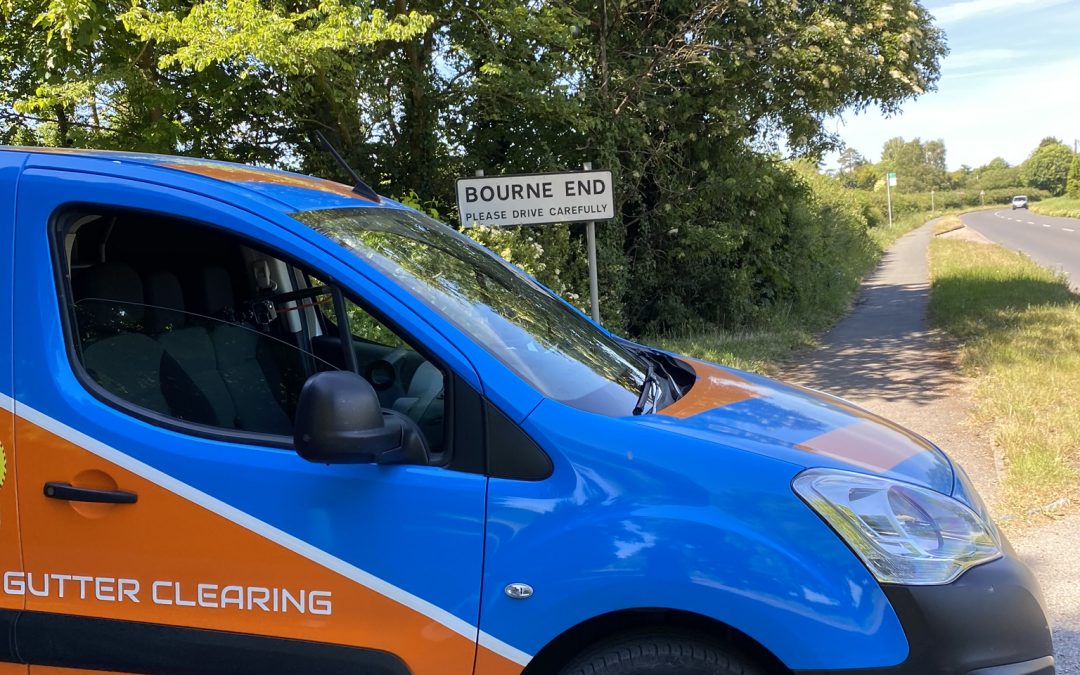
{"x":546,"y":252}
{"x":1072,"y":184}
{"x":762,"y":243}
{"x":946,"y":200}
{"x":831,"y":248}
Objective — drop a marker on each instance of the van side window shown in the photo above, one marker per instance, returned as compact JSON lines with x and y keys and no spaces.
{"x":362,"y":325}
{"x":189,"y":326}
{"x":403,"y":379}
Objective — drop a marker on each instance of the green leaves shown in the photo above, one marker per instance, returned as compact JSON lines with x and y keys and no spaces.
{"x":65,"y":19}
{"x":1048,"y":167}
{"x":686,"y":101}
{"x":252,"y":35}
{"x":919,"y":165}
{"x":1072,"y":185}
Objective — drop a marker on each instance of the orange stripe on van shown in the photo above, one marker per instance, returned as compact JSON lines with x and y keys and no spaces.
{"x":490,"y":663}
{"x":714,"y":388}
{"x":10,"y":544}
{"x":166,"y":537}
{"x":866,"y":444}
{"x":241,"y":174}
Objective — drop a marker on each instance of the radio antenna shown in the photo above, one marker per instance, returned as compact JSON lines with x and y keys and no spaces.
{"x":359,"y":186}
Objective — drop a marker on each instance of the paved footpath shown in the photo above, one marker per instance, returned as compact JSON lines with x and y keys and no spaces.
{"x":885,"y":357}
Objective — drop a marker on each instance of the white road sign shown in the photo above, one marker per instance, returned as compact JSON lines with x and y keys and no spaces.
{"x":535,"y":199}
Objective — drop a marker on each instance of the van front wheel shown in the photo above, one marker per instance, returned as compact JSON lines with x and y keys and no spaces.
{"x":658,"y":654}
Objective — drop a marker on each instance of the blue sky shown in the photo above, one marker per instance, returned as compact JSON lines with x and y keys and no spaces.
{"x":1012,"y":78}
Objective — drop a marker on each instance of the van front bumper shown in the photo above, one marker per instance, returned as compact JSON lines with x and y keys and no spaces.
{"x":990,"y":621}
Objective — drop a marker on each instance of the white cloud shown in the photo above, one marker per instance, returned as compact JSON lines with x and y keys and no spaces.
{"x":966,"y":9}
{"x":978,"y":57}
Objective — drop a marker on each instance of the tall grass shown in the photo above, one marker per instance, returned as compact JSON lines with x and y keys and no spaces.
{"x":1058,"y":206}
{"x":1019,"y":326}
{"x":758,"y":351}
{"x":885,"y":235}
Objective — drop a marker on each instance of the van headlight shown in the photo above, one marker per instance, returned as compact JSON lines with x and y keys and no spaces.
{"x":904,"y":533}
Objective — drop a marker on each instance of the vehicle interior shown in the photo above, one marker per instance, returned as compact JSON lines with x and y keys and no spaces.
{"x":198,"y":326}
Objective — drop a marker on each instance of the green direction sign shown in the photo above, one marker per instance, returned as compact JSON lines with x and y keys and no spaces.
{"x":892,"y":178}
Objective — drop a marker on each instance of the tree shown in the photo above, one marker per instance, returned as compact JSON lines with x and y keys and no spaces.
{"x":960,"y":177}
{"x":1047,"y":168}
{"x":688,"y":102}
{"x":919,"y":166}
{"x":863,"y":177}
{"x":996,"y":174}
{"x":850,"y":159}
{"x":155,"y":76}
{"x":1072,"y":188}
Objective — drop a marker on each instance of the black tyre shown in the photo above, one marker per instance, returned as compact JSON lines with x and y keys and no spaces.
{"x":659,"y":653}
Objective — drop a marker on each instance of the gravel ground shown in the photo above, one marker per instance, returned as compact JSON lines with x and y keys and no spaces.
{"x":884,"y":357}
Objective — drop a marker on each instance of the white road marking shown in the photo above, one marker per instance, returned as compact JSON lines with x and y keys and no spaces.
{"x":1044,"y":225}
{"x":1068,"y":230}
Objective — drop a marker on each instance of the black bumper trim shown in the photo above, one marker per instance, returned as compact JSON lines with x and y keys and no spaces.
{"x":1043,"y":666}
{"x":990,"y":621}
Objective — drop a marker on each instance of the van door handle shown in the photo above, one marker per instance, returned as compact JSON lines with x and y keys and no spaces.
{"x":57,"y":490}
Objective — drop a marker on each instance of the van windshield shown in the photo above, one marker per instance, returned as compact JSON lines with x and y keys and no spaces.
{"x":532,"y":332}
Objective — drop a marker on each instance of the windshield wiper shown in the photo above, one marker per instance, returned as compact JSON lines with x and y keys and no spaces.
{"x":643,"y":397}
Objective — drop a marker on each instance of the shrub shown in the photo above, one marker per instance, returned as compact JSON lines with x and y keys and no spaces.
{"x":759,"y":242}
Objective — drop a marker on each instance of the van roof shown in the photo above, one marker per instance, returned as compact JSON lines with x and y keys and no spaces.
{"x":295,"y":190}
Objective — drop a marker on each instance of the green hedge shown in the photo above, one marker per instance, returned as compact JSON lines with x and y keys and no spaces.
{"x":957,"y":199}
{"x":761,"y":241}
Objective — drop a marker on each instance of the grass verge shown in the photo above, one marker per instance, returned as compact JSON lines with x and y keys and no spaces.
{"x":758,"y":351}
{"x":947,"y":224}
{"x":1019,"y":327}
{"x":762,"y":350}
{"x":885,"y":235}
{"x":1058,"y":206}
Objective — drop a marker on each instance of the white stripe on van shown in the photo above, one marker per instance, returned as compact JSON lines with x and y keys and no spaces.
{"x":504,"y":650}
{"x":6,"y":403}
{"x":268,"y":531}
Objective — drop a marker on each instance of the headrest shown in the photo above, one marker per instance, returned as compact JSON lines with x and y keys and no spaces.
{"x":217,"y":292}
{"x":112,"y":296}
{"x":427,"y":378}
{"x":165,"y":300}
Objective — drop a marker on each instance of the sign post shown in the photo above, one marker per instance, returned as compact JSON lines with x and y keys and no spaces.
{"x":932,"y":209}
{"x":539,"y":199}
{"x":890,"y":182}
{"x":590,"y":248}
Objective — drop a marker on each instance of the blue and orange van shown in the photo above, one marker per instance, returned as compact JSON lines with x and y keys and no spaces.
{"x":256,"y":422}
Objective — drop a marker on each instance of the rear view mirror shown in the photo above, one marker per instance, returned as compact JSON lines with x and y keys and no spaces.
{"x":339,"y":421}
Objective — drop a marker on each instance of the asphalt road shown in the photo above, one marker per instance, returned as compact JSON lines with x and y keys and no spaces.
{"x":1053,"y":242}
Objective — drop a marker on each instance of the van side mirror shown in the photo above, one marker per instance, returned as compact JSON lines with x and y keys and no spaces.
{"x":339,"y":421}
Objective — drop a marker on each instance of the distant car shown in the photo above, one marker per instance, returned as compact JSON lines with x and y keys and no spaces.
{"x":1019,"y":202}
